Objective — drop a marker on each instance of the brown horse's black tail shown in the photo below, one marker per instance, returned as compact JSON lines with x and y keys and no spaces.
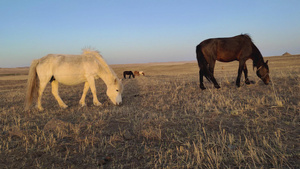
{"x":203,"y":65}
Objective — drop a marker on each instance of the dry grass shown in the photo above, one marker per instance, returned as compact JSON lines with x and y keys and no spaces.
{"x":165,"y":121}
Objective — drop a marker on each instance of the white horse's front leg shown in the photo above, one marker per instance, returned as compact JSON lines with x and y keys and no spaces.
{"x":54,"y":85}
{"x":85,"y":90}
{"x":91,"y":82}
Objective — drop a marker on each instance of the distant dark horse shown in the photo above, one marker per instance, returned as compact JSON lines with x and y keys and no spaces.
{"x":239,"y":48}
{"x":128,"y":73}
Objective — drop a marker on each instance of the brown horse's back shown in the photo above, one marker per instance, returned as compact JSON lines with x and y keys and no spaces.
{"x":227,"y":49}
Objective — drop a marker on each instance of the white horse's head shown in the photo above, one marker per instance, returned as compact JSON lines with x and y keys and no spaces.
{"x":114,"y":91}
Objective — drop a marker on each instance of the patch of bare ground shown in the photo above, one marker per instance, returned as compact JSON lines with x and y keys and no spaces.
{"x":165,"y":121}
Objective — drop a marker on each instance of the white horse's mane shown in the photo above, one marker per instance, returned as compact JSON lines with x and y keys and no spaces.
{"x":96,"y":53}
{"x":89,"y":50}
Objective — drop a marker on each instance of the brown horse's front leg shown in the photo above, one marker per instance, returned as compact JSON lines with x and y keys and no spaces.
{"x":238,"y":79}
{"x":246,"y":74}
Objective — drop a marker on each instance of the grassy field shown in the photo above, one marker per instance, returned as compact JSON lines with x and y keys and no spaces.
{"x":165,"y":121}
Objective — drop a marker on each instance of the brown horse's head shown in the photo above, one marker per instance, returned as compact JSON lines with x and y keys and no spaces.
{"x":136,"y":73}
{"x":263,"y":73}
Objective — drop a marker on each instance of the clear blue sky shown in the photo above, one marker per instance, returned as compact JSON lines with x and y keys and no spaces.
{"x":141,"y":31}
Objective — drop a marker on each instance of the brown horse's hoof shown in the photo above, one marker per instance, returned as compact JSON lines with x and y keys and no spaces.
{"x":217,"y":86}
{"x":202,"y":87}
{"x":247,"y":81}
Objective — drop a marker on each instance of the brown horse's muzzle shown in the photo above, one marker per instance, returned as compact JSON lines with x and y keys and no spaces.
{"x":266,"y":79}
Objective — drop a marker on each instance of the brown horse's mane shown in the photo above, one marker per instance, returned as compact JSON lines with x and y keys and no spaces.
{"x":246,"y":36}
{"x":256,"y":55}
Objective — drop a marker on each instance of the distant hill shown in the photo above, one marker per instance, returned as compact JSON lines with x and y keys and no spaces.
{"x":286,"y":54}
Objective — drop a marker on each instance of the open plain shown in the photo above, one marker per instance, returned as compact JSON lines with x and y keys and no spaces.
{"x":165,"y":120}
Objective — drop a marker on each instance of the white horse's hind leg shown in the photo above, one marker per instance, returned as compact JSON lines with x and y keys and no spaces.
{"x":54,"y":85}
{"x":85,"y":90}
{"x":91,"y":82}
{"x":41,"y":90}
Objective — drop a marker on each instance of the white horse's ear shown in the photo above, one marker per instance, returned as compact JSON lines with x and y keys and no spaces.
{"x":117,"y":80}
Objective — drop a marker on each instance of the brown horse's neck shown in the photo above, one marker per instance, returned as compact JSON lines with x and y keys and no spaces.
{"x":257,"y":58}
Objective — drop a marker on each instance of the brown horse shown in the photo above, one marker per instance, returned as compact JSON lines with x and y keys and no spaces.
{"x":240,"y":48}
{"x":128,"y":73}
{"x":136,"y":73}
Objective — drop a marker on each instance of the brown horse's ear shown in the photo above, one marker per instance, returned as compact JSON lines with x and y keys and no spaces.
{"x":267,"y":62}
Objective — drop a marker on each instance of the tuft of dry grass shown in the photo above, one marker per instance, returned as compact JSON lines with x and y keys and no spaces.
{"x":165,"y":121}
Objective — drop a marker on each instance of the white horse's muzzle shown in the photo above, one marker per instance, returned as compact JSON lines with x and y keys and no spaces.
{"x":118,"y":100}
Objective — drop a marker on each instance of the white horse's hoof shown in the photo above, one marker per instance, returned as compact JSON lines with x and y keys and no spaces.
{"x":82,"y":105}
{"x":64,"y":106}
{"x":98,"y":104}
{"x":40,"y":108}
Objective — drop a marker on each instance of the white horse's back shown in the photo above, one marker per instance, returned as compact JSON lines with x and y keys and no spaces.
{"x":69,"y":69}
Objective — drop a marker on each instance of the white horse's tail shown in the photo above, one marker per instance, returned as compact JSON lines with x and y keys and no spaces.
{"x":32,"y":85}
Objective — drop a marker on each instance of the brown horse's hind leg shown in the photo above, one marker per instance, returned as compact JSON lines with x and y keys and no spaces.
{"x":215,"y":83}
{"x":211,"y":79}
{"x":201,"y":79}
{"x":211,"y":69}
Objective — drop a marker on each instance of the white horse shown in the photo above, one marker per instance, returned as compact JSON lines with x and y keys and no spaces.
{"x":142,"y":73}
{"x":71,"y":70}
